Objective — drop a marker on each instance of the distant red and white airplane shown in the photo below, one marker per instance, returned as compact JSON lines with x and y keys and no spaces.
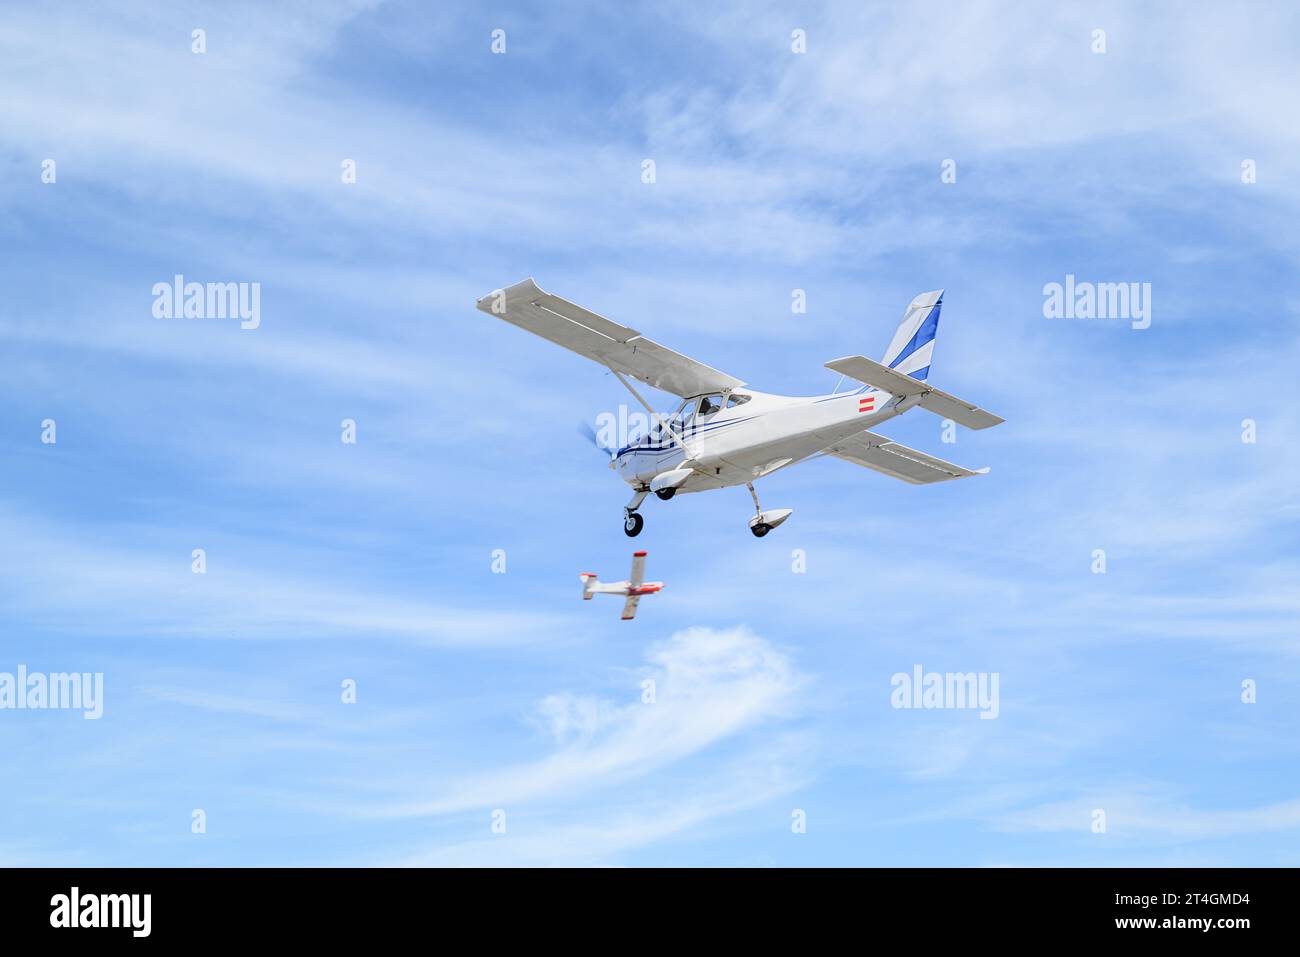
{"x":633,"y":589}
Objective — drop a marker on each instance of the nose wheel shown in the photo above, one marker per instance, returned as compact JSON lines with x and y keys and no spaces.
{"x":632,"y":521}
{"x":760,"y":529}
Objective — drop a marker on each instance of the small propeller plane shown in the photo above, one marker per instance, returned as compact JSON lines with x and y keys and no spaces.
{"x":723,"y":434}
{"x":633,"y":588}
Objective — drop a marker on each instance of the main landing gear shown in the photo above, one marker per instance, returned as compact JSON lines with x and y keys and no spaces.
{"x":763,"y":522}
{"x":632,"y":520}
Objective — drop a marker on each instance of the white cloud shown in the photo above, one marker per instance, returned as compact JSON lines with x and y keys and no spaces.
{"x":601,"y":836}
{"x":710,"y":686}
{"x":1142,"y":816}
{"x":984,"y":75}
{"x":224,"y":703}
{"x":88,"y":581}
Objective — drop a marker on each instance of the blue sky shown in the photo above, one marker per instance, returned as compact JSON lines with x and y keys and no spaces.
{"x":774,"y":171}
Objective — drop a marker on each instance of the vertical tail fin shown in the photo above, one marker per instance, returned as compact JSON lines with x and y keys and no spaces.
{"x":588,"y":579}
{"x":912,"y":347}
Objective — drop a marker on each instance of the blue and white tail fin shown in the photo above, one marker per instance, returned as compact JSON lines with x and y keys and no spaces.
{"x":912,"y":347}
{"x":906,"y":365}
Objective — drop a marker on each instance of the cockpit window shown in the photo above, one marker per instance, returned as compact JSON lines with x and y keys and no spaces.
{"x":736,"y":399}
{"x":709,"y":405}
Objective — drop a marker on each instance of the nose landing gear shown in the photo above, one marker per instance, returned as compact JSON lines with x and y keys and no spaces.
{"x":632,"y":520}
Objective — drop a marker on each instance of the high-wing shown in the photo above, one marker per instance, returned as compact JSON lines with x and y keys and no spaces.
{"x":617,"y":347}
{"x":898,"y":461}
{"x":629,"y":607}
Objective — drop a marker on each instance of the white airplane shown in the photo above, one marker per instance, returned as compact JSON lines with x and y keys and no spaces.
{"x":723,"y":435}
{"x":633,"y":588}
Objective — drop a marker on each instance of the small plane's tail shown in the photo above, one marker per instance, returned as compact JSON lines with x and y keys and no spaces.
{"x":588,"y":579}
{"x":912,"y":347}
{"x":910,"y":391}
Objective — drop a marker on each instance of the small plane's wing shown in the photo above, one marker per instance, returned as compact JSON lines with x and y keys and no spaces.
{"x":629,"y":607}
{"x":638,"y":569}
{"x":617,"y":347}
{"x":898,"y":461}
{"x":899,"y":383}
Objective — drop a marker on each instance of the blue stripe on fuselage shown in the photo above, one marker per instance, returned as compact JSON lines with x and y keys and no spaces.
{"x":671,"y":445}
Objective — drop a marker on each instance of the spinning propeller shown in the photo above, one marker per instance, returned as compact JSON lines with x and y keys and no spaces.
{"x":586,"y":430}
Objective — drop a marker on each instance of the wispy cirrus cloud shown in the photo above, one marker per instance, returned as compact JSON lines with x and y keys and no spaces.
{"x":705,"y":686}
{"x":1145,"y":815}
{"x":73,"y":582}
{"x":601,"y":837}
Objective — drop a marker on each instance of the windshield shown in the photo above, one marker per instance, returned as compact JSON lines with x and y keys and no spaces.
{"x":679,"y":421}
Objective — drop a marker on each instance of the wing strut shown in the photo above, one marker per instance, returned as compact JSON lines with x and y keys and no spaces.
{"x":662,"y":421}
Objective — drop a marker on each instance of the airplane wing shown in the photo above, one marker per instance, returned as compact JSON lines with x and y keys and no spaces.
{"x":897,"y":461}
{"x":638,"y":569}
{"x":629,"y":607}
{"x":617,"y":347}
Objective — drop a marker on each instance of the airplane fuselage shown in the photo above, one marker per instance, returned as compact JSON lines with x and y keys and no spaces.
{"x":624,"y":588}
{"x":736,"y":445}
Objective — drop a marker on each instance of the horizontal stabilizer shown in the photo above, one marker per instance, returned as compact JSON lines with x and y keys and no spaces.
{"x":905,"y":387}
{"x":886,"y":456}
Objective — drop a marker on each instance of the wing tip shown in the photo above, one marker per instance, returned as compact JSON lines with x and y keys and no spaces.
{"x":529,"y":280}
